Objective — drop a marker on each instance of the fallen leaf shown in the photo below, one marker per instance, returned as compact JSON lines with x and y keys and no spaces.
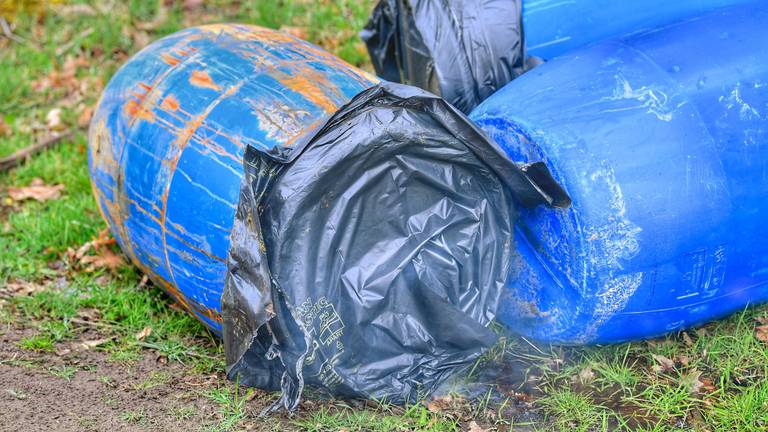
{"x":586,"y":375}
{"x":474,"y":427}
{"x":53,"y":119}
{"x":21,"y":288}
{"x":62,"y":352}
{"x":707,"y":385}
{"x":37,"y":190}
{"x":691,"y":381}
{"x":89,"y":314}
{"x":664,"y":364}
{"x":687,"y":339}
{"x":193,"y":5}
{"x":5,"y":128}
{"x":146,"y":331}
{"x":105,"y":259}
{"x":439,"y":403}
{"x":299,"y":32}
{"x":140,"y":39}
{"x":84,"y":119}
{"x":761,"y":333}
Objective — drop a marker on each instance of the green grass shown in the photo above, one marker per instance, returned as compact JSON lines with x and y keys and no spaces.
{"x":65,"y":372}
{"x":576,"y":389}
{"x":573,"y":411}
{"x":133,"y":416}
{"x":413,"y":418}
{"x":232,"y":406}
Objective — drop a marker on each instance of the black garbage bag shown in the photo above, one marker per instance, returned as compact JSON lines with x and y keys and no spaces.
{"x":462,"y":50}
{"x":368,"y":260}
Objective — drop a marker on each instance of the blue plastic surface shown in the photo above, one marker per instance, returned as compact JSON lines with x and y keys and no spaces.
{"x":661,"y":140}
{"x":167,"y":141}
{"x":554,"y":27}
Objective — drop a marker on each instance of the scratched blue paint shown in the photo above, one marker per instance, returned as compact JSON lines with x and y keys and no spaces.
{"x":167,"y":140}
{"x":661,"y":140}
{"x":554,"y":27}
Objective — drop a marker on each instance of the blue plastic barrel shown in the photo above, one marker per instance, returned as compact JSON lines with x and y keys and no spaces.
{"x":661,"y":140}
{"x":554,"y":27}
{"x":168,"y":136}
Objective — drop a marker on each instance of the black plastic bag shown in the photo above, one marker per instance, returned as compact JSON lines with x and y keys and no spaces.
{"x":368,"y":261}
{"x":462,"y":50}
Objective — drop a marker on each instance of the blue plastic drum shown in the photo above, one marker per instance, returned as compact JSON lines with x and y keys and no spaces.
{"x":167,"y":141}
{"x":554,"y":27}
{"x":661,"y":140}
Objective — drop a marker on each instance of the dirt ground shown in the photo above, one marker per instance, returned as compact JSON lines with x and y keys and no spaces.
{"x":77,"y":389}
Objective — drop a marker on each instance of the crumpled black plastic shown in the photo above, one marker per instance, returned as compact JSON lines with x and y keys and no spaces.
{"x":368,"y":261}
{"x":462,"y":50}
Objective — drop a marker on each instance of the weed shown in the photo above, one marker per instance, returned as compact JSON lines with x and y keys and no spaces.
{"x":133,"y":416}
{"x":153,"y":380}
{"x":182,"y":412}
{"x":63,"y":371}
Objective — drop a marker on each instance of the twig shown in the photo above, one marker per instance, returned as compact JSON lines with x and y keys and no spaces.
{"x":75,"y":40}
{"x":8,"y":32}
{"x":19,"y":156}
{"x":97,"y":324}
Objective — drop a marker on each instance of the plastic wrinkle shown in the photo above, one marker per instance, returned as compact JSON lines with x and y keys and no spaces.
{"x":368,"y":260}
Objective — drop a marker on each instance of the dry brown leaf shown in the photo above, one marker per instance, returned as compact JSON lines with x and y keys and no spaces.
{"x":104,"y":259}
{"x":474,"y":427}
{"x":5,"y":128}
{"x":664,"y":364}
{"x":21,"y":288}
{"x":707,"y":385}
{"x":439,"y":403}
{"x":89,"y":314}
{"x":146,"y":331}
{"x":37,"y":190}
{"x":191,"y":6}
{"x":299,"y":32}
{"x":84,"y":119}
{"x":586,"y":375}
{"x":761,"y":333}
{"x":140,"y":39}
{"x":692,"y":382}
{"x":687,"y":339}
{"x":104,"y":256}
{"x":63,"y":78}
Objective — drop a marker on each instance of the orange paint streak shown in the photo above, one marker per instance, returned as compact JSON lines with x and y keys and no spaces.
{"x":170,"y":103}
{"x":202,"y":79}
{"x":182,"y":140}
{"x":171,"y":60}
{"x":310,"y":84}
{"x":136,"y":110}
